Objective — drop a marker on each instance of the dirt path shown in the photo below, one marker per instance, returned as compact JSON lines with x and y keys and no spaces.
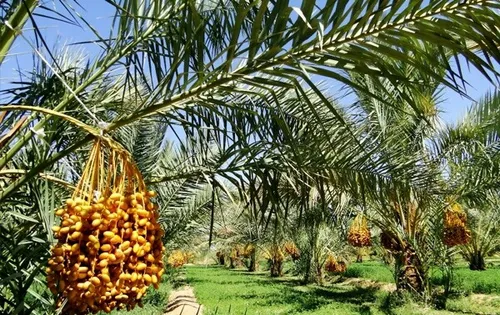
{"x":183,"y":302}
{"x":366,"y":283}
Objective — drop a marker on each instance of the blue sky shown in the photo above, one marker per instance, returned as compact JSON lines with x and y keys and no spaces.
{"x":99,"y":14}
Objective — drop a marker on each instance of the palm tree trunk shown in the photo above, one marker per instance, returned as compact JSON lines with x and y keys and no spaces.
{"x":319,"y":273}
{"x":308,"y":269}
{"x":314,"y":271}
{"x":359,"y":258}
{"x":477,"y":261}
{"x":410,"y":272}
{"x":276,"y":268}
{"x":253,"y":262}
{"x":309,"y":274}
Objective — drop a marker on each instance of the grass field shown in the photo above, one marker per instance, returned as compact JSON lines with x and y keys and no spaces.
{"x":487,"y":281}
{"x":465,"y":280}
{"x":370,"y":270}
{"x":224,"y":291}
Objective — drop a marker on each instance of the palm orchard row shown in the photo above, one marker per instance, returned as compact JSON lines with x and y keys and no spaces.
{"x":259,"y":150}
{"x":331,"y":230}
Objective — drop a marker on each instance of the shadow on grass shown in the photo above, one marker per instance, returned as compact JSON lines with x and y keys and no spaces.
{"x":289,"y":294}
{"x":319,"y":297}
{"x":352,"y":273}
{"x":219,"y":282}
{"x":251,"y":273}
{"x":309,"y":298}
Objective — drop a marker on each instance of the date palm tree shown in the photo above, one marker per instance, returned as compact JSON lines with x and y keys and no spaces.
{"x":403,"y":212}
{"x":470,"y":150}
{"x":485,"y":236}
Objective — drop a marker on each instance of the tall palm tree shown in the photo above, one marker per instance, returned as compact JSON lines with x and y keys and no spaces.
{"x":470,"y":151}
{"x":485,"y":235}
{"x":403,"y":212}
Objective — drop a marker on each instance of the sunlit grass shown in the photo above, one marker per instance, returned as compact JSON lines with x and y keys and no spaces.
{"x":372,"y":270}
{"x":465,"y":280}
{"x":235,"y":292}
{"x":487,"y":281}
{"x":223,"y":291}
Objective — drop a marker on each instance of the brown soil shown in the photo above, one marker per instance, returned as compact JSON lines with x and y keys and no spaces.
{"x":183,"y":302}
{"x":484,"y":298}
{"x":364,"y":283}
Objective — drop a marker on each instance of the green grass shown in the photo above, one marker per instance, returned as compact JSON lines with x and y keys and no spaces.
{"x":373,"y":270}
{"x":465,"y":280}
{"x":224,"y":291}
{"x":236,"y":292}
{"x":487,"y":281}
{"x":475,"y":304}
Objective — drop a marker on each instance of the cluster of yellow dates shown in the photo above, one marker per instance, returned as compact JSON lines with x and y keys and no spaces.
{"x":292,"y":250}
{"x":108,"y":253}
{"x":275,"y":254}
{"x":109,"y":247}
{"x":237,"y":251}
{"x":179,"y":258}
{"x":455,"y":229}
{"x":332,"y":265}
{"x":359,"y":234}
{"x":248,"y":250}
